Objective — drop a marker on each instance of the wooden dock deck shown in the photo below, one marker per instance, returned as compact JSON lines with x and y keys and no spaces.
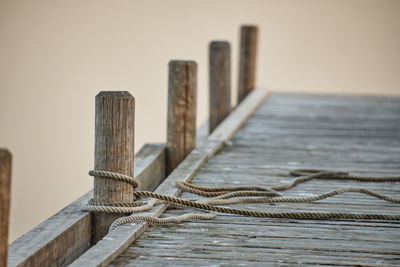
{"x":358,"y":134}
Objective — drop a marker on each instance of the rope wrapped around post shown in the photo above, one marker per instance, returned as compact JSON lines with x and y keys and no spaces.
{"x":247,"y":194}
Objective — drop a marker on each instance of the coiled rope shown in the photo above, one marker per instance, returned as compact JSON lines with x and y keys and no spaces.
{"x":239,"y":195}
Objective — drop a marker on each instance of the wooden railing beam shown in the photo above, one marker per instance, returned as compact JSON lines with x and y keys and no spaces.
{"x":67,"y":234}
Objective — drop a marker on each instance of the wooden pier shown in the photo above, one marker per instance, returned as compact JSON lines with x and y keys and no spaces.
{"x":258,"y":142}
{"x":352,"y":133}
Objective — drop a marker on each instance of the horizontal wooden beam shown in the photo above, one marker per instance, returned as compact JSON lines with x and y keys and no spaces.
{"x":66,"y":235}
{"x":202,"y":133}
{"x":115,"y":242}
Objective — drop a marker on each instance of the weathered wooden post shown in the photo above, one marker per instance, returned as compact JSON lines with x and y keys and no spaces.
{"x":114,"y":151}
{"x":220,"y":82}
{"x":5,"y":187}
{"x":247,"y":61}
{"x":181,"y":126}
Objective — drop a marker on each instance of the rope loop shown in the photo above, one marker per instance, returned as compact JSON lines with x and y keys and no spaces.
{"x":114,"y":175}
{"x":95,"y":205}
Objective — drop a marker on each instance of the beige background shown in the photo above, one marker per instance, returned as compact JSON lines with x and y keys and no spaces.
{"x":55,"y":56}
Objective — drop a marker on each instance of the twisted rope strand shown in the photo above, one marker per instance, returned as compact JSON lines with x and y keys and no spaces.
{"x":94,"y":202}
{"x":246,"y":194}
{"x":220,"y":201}
{"x":302,"y":172}
{"x":224,"y":189}
{"x":288,"y":215}
{"x":112,"y":209}
{"x":304,"y":178}
{"x":151,"y":219}
{"x":339,"y":175}
{"x":114,"y":175}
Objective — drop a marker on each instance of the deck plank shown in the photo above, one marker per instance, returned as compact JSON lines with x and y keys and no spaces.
{"x":360,"y":134}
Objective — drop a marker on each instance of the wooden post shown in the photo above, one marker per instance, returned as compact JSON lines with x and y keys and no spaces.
{"x":220,"y":82}
{"x":114,"y":151}
{"x":247,"y":61}
{"x":181,"y":126}
{"x":5,"y":186}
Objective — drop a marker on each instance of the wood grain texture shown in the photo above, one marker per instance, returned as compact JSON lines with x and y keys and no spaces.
{"x":202,"y":133}
{"x":112,"y":245}
{"x":181,"y":121}
{"x":66,"y":235}
{"x":5,"y":191}
{"x":220,"y":82}
{"x":247,"y":60}
{"x":285,"y":133}
{"x":240,"y":115}
{"x":114,"y":151}
{"x":56,"y":241}
{"x":150,"y":166}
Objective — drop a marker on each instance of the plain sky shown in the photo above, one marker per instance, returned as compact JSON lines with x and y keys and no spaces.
{"x":55,"y":56}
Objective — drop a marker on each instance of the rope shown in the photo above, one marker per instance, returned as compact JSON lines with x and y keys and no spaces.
{"x":111,"y":209}
{"x":114,"y":175}
{"x":246,"y":194}
{"x":217,"y":201}
{"x":151,"y":219}
{"x":226,"y":191}
{"x":288,"y":215}
{"x":116,"y":204}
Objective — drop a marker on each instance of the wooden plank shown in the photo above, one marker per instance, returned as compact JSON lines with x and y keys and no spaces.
{"x":350,"y":112}
{"x":66,"y":235}
{"x":115,"y":242}
{"x":292,"y":258}
{"x":150,"y":166}
{"x":233,"y":256}
{"x":312,"y":155}
{"x":327,"y":125}
{"x":261,"y":245}
{"x":220,"y":82}
{"x":333,"y":99}
{"x":181,"y":124}
{"x":247,"y":60}
{"x":202,"y":133}
{"x":320,"y":142}
{"x":5,"y":191}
